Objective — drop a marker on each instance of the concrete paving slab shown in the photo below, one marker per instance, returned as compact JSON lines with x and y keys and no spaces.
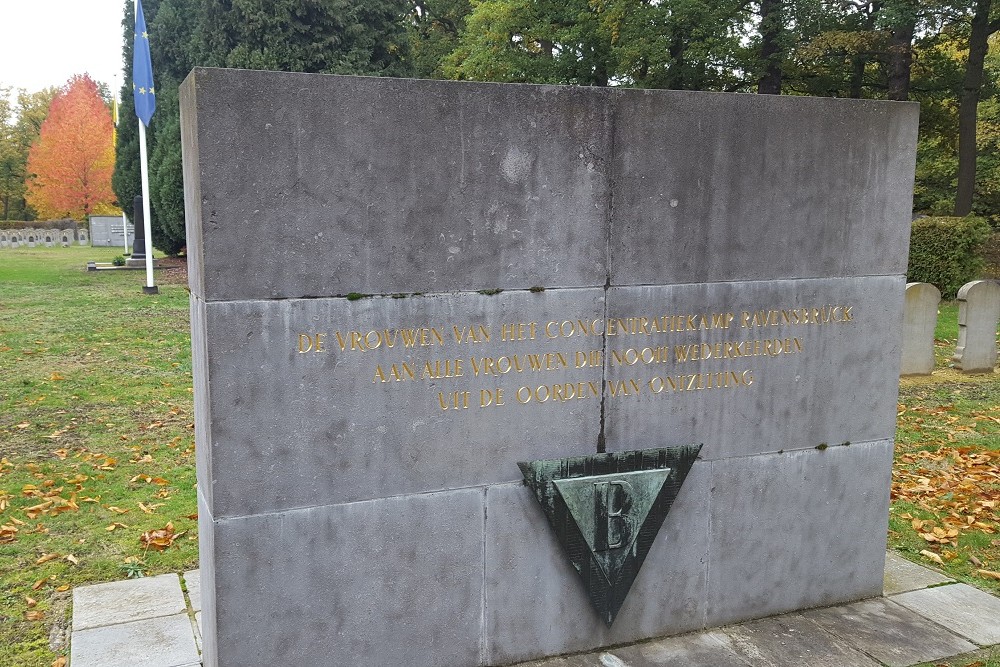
{"x":192,"y":581}
{"x":582,"y":660}
{"x":128,"y":600}
{"x":793,"y":639}
{"x":961,"y":608}
{"x":902,"y":575}
{"x":701,"y":649}
{"x":166,"y":641}
{"x":713,"y":648}
{"x":889,"y":632}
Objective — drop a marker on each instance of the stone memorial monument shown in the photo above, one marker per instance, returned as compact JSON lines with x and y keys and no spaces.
{"x":527,"y":370}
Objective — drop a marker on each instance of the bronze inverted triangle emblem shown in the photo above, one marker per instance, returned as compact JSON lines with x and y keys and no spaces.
{"x":606,"y":510}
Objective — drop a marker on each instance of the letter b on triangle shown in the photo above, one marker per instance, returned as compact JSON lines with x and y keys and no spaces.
{"x":606,"y":510}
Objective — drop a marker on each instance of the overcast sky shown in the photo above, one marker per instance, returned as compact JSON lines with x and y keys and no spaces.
{"x":45,"y":42}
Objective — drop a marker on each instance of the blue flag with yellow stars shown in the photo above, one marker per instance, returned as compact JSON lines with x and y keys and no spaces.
{"x":142,"y":70}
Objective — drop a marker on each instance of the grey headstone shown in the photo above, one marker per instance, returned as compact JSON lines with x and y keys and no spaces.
{"x":978,"y":313}
{"x":919,"y":319}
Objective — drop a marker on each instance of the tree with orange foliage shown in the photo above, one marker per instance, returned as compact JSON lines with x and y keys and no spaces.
{"x":70,"y":165}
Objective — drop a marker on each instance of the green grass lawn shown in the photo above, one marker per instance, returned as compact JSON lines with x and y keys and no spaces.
{"x":946,"y":479}
{"x":96,"y":437}
{"x":97,"y":447}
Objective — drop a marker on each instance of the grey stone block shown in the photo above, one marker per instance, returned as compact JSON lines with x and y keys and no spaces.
{"x":167,"y":641}
{"x":379,"y":185}
{"x":293,"y":429}
{"x":797,"y":530}
{"x":128,"y":600}
{"x":890,"y":633}
{"x":445,"y":176}
{"x":202,"y":402}
{"x":961,"y":608}
{"x":794,"y":640}
{"x":795,"y":188}
{"x":713,"y":648}
{"x":806,"y":385}
{"x":206,"y":557}
{"x":536,"y":605}
{"x":902,"y":575}
{"x":192,"y":581}
{"x":388,"y":582}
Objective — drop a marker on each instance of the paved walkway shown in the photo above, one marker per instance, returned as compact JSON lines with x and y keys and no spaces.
{"x":924,"y":617}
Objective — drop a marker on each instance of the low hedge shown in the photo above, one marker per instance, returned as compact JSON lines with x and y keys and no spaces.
{"x":947,"y":252}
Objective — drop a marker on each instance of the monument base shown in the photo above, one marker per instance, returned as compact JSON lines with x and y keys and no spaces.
{"x":140,"y":263}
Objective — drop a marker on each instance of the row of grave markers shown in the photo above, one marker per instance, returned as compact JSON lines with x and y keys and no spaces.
{"x":978,"y":315}
{"x":47,"y":238}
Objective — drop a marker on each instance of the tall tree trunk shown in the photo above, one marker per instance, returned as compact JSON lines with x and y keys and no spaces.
{"x":770,"y":47}
{"x":857,"y":77}
{"x":674,"y":78}
{"x":978,"y":44}
{"x":900,"y":54}
{"x":860,"y":61}
{"x":900,"y":60}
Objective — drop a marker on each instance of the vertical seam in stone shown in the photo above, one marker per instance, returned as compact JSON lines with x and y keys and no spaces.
{"x":609,"y":165}
{"x":707,"y":595}
{"x":484,"y":657}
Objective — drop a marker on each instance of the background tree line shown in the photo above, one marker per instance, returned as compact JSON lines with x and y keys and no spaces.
{"x":56,"y":151}
{"x":943,"y":54}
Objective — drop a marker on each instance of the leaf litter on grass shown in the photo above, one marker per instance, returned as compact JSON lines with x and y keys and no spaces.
{"x":95,"y":420}
{"x":946,"y":474}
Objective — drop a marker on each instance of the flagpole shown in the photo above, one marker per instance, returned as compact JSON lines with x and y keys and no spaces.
{"x":145,"y":105}
{"x":150,"y":288}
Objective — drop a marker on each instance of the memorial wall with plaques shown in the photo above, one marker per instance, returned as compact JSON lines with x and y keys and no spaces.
{"x":485,"y":372}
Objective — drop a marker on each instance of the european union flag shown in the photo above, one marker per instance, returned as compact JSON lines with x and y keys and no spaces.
{"x":142,"y":70}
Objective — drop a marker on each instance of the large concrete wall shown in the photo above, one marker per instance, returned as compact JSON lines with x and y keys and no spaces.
{"x":675,"y":267}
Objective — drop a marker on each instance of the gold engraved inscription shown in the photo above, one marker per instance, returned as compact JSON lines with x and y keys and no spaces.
{"x":679,"y":355}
